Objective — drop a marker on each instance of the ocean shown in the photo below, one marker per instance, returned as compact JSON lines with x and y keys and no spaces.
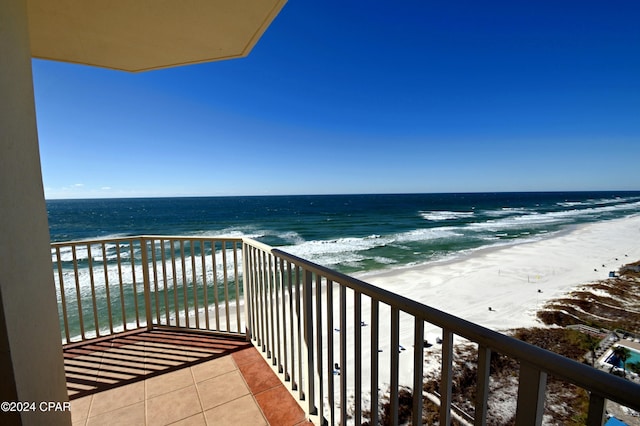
{"x":349,"y":233}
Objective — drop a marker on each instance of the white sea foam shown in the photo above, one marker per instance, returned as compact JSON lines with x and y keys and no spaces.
{"x":82,"y":253}
{"x":427,"y":234}
{"x":252,"y":232}
{"x":341,"y":250}
{"x":128,"y":274}
{"x":291,"y":237}
{"x":534,"y":219}
{"x":439,"y":215}
{"x":591,"y":202}
{"x":506,"y":211}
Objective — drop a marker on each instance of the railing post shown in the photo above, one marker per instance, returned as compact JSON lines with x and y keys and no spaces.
{"x":247,"y":282}
{"x":531,"y":395}
{"x":446,"y":377}
{"x":357,"y":368}
{"x":394,"y":366}
{"x":308,"y":338}
{"x":375,"y":325}
{"x":595,"y":416}
{"x":482,"y":388}
{"x":146,"y":282}
{"x":344,"y":367}
{"x":418,"y":367}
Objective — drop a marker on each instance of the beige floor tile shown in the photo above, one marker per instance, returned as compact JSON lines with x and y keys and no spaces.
{"x":204,"y":393}
{"x":119,"y":397}
{"x":80,"y":422}
{"x":171,"y":358}
{"x":222,"y":389}
{"x":241,"y":411}
{"x":84,"y":362}
{"x":114,"y":376}
{"x":168,"y":382}
{"x":132,"y":415}
{"x":80,"y":408}
{"x":82,"y":373}
{"x":197,"y":420}
{"x":123,"y":367}
{"x":215,"y":367}
{"x":173,"y":406}
{"x":162,"y":346}
{"x":126,"y":351}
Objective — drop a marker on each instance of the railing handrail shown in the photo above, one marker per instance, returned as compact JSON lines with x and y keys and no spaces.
{"x":605,"y":385}
{"x":149,"y":237}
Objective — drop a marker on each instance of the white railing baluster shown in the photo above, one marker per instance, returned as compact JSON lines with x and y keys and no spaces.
{"x":319,"y":347}
{"x":357,"y":347}
{"x":270,"y":306}
{"x":165,"y":281}
{"x":238,"y":287}
{"x":277,"y":282}
{"x":418,"y":366}
{"x":63,"y":298}
{"x":194,"y":282}
{"x":248,"y":292}
{"x":299,"y":329}
{"x":93,"y":291}
{"x":225,"y":281}
{"x":185,"y":289}
{"x":446,"y":377}
{"x":105,"y":266}
{"x":330,"y":356}
{"x":216,"y":298}
{"x":596,"y":411}
{"x":285,"y":346}
{"x":291,"y":321}
{"x":395,"y":362}
{"x":146,"y":283}
{"x":174,"y":275}
{"x":205,"y":285}
{"x":482,"y":388}
{"x":375,"y":324}
{"x":343,"y":355}
{"x":121,"y":286}
{"x":133,"y":277}
{"x":307,"y":297}
{"x":531,"y":395}
{"x":264,"y":305}
{"x":156,"y":290}
{"x":78,"y":294}
{"x":257,"y":297}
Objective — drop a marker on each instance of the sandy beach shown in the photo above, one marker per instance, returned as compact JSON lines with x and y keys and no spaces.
{"x":513,"y":280}
{"x":517,"y":280}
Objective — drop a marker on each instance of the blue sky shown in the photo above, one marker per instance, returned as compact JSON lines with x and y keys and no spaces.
{"x":364,"y":97}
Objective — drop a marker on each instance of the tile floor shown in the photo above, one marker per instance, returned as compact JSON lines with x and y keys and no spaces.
{"x":163,"y":377}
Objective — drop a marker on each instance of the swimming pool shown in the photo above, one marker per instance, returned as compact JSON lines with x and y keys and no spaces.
{"x":613,"y":360}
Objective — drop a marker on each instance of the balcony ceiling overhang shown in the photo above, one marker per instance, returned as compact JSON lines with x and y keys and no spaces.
{"x":139,"y":35}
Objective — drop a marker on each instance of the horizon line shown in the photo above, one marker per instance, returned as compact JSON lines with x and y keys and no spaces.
{"x":144,"y":197}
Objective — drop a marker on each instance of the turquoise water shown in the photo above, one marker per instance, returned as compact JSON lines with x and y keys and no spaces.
{"x":613,"y":360}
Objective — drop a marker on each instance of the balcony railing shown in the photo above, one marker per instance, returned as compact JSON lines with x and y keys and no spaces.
{"x":323,"y":331}
{"x":107,"y":286}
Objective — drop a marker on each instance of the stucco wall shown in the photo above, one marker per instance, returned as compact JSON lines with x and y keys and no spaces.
{"x":30,"y":321}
